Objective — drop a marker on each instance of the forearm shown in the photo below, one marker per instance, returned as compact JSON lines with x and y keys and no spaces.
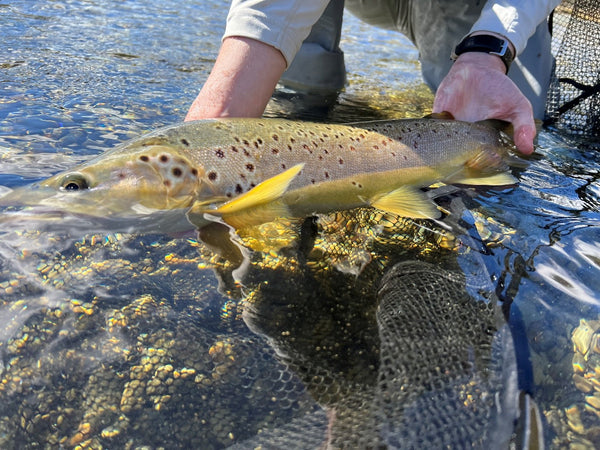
{"x":241,"y":82}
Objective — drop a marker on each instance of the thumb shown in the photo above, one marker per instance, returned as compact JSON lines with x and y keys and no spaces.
{"x":524,"y":135}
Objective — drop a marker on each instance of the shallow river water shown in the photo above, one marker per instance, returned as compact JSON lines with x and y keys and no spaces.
{"x":125,"y":339}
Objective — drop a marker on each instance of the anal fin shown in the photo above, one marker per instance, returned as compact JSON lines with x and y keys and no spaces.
{"x":407,"y":202}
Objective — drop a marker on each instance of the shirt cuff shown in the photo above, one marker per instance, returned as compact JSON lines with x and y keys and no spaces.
{"x":514,"y":19}
{"x":281,"y":24}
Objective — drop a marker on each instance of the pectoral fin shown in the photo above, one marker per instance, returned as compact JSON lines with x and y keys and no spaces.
{"x":407,"y":202}
{"x":265,"y":192}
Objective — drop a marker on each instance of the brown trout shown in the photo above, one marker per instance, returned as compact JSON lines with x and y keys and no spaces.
{"x":250,"y":171}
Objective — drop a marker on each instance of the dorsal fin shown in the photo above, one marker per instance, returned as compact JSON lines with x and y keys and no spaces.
{"x":444,"y":115}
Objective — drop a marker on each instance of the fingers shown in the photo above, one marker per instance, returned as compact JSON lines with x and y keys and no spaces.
{"x":476,"y":88}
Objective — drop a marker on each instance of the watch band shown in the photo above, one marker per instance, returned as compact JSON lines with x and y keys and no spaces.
{"x":486,"y":43}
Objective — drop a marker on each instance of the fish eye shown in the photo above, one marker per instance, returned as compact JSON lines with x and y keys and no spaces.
{"x":74,"y":182}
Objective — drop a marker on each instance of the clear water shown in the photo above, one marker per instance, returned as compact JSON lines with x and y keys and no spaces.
{"x":81,"y":314}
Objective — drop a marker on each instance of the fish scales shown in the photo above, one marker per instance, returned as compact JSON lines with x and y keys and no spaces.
{"x":246,"y":152}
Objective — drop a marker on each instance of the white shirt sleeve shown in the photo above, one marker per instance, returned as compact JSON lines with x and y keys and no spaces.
{"x":514,"y":19}
{"x":283,"y":24}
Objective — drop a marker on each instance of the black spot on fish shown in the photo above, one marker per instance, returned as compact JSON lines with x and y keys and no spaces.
{"x":275,"y":151}
{"x":283,"y":166}
{"x":167,"y":183}
{"x":228,"y":194}
{"x":238,"y":189}
{"x":236,"y":139}
{"x":212,"y":176}
{"x":275,"y":137}
{"x":177,"y":172}
{"x":352,"y":148}
{"x":376,"y":147}
{"x":246,"y":142}
{"x":252,"y":185}
{"x":312,"y":181}
{"x":289,"y":147}
{"x":260,"y":141}
{"x":341,"y":161}
{"x":144,"y":158}
{"x":194,"y":172}
{"x":234,"y":149}
{"x":292,"y":140}
{"x":164,"y":158}
{"x":307,"y":148}
{"x":185,"y":142}
{"x":246,"y":152}
{"x":220,"y":153}
{"x":326,"y":174}
{"x":250,"y":167}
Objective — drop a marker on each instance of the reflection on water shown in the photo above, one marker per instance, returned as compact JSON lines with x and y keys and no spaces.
{"x":130,"y":339}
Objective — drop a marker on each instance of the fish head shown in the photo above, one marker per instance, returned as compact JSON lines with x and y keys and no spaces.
{"x":138,"y":180}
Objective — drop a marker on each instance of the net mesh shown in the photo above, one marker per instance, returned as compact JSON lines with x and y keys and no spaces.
{"x":573,"y":103}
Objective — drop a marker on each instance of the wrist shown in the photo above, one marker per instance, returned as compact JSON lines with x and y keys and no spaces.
{"x":482,"y":61}
{"x":487,"y":42}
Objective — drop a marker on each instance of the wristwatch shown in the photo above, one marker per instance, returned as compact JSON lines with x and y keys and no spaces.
{"x":486,"y":43}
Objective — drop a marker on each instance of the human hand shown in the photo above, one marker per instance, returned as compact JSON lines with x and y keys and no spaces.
{"x":476,"y":88}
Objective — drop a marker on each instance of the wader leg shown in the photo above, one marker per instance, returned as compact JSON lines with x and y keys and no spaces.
{"x":319,"y":64}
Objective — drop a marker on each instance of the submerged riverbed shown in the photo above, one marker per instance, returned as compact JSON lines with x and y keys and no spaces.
{"x":123,"y":339}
